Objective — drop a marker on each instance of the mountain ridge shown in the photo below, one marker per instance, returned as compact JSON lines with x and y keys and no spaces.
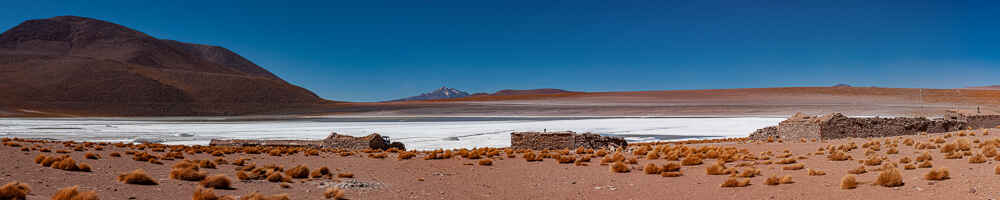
{"x":70,"y":64}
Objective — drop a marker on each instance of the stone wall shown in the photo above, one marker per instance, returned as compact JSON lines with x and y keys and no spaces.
{"x":373,"y":141}
{"x":836,"y":125}
{"x":975,"y":120}
{"x":562,"y":140}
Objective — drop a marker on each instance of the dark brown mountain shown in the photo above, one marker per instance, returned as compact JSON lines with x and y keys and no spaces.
{"x":83,"y":66}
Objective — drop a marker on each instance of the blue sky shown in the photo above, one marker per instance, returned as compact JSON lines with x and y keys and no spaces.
{"x":380,"y":50}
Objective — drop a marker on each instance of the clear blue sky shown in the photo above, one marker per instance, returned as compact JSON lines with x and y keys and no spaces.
{"x":380,"y":50}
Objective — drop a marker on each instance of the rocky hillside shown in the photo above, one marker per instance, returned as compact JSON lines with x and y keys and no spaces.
{"x":83,"y":66}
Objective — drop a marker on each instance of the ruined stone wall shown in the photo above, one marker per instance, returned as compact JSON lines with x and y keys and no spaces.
{"x":538,"y":141}
{"x":836,"y":126}
{"x":562,"y":140}
{"x":796,"y":128}
{"x":983,"y":121}
{"x":373,"y":141}
{"x":841,"y":127}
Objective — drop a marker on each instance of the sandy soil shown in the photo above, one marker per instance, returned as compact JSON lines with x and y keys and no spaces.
{"x":514,"y":178}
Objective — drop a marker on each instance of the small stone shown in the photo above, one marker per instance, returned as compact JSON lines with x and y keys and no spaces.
{"x":972,"y":190}
{"x":574,"y":182}
{"x":597,"y":188}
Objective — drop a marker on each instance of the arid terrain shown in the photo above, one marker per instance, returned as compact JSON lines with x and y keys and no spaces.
{"x":968,"y":156}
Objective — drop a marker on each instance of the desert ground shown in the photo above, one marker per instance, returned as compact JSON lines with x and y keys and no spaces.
{"x":463,"y":177}
{"x":852,"y":101}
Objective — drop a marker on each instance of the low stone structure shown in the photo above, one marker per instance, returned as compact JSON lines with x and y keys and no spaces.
{"x":334,"y":140}
{"x":975,"y":120}
{"x":836,"y":125}
{"x":563,"y":140}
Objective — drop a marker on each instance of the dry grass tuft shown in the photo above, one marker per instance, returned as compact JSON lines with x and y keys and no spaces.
{"x":277,"y":177}
{"x":322,"y":171}
{"x":345,"y":175}
{"x":733,"y":182}
{"x":72,"y":193}
{"x":406,"y":155}
{"x":794,"y":167}
{"x":691,"y":160}
{"x":859,"y":170}
{"x":909,"y":167}
{"x":334,"y":193}
{"x":889,"y":178}
{"x":773,"y":180}
{"x":208,"y":194}
{"x":787,"y":179}
{"x":14,"y":190}
{"x":937,"y":174}
{"x":926,"y":164}
{"x":218,"y":181}
{"x":138,"y":177}
{"x":671,"y":174}
{"x":813,"y":172}
{"x":848,"y":182}
{"x":716,"y":169}
{"x":671,"y":167}
{"x":620,"y":167}
{"x":651,"y":169}
{"x":187,"y":174}
{"x":300,"y":171}
{"x":91,"y":155}
{"x":258,"y":196}
{"x":978,"y":158}
{"x":115,"y":154}
{"x":486,"y":162}
{"x":206,"y":164}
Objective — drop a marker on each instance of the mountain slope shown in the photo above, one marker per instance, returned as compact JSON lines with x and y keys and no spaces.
{"x":78,"y":65}
{"x":440,"y":93}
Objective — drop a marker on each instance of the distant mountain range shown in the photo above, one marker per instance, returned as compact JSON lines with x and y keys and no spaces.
{"x":440,"y":93}
{"x":451,"y":93}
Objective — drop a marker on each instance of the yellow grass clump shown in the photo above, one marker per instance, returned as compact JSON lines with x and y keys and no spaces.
{"x":670,"y":174}
{"x":73,"y":193}
{"x":187,"y":174}
{"x":978,"y":158}
{"x":406,"y":155}
{"x":937,"y":174}
{"x":300,"y":171}
{"x":277,"y":177}
{"x":889,"y":178}
{"x":620,"y":167}
{"x":794,"y":167}
{"x":926,"y":164}
{"x":813,"y":172}
{"x":138,"y":177}
{"x":486,"y":162}
{"x":787,"y":179}
{"x":334,"y":193}
{"x":691,"y":160}
{"x":218,"y":181}
{"x":322,"y":171}
{"x":91,"y":155}
{"x":733,"y":182}
{"x":258,"y":196}
{"x":345,"y":175}
{"x":671,"y":167}
{"x":848,"y":182}
{"x":716,"y":169}
{"x":651,"y":169}
{"x":925,"y":156}
{"x":773,"y":180}
{"x":208,"y":194}
{"x":14,"y":191}
{"x":747,"y":173}
{"x":859,"y":170}
{"x":909,"y":167}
